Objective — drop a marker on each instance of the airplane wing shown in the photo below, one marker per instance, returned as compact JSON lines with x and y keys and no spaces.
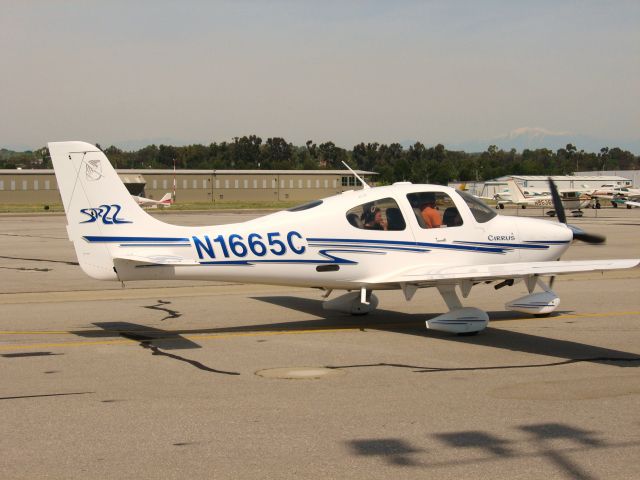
{"x":430,"y":275}
{"x":633,"y":204}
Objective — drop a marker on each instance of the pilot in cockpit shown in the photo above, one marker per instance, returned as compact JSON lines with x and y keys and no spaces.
{"x":373,"y":219}
{"x":430,"y":215}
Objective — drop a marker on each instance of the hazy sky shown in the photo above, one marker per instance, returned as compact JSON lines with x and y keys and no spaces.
{"x":130,"y":73}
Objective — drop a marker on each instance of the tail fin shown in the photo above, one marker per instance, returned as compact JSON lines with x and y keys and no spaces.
{"x":166,"y":199}
{"x":517,"y":196}
{"x":99,"y":208}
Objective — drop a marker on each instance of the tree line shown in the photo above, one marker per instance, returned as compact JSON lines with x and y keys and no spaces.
{"x":417,"y":163}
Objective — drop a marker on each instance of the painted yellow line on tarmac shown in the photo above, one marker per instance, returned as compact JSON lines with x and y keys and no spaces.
{"x":248,"y":331}
{"x":575,"y":315}
{"x":64,"y":344}
{"x":254,"y":333}
{"x":39,"y":332}
{"x":188,"y":337}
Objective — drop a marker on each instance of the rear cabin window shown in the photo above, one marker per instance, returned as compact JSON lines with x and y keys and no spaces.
{"x":434,"y":210}
{"x":381,"y":214}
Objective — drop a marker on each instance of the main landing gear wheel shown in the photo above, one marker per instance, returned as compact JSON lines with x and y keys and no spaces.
{"x":459,"y":320}
{"x":468,"y":334}
{"x":352,"y":303}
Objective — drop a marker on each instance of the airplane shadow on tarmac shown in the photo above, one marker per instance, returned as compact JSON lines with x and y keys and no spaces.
{"x":153,"y":339}
{"x":529,"y":441}
{"x":413,"y":324}
{"x":157,"y":340}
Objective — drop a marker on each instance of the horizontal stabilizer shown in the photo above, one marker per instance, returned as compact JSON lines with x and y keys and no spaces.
{"x":153,"y":260}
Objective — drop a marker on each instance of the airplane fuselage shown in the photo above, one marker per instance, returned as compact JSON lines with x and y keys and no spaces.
{"x":317,"y":246}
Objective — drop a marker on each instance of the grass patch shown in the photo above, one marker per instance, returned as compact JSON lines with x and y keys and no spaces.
{"x":30,"y":207}
{"x":230,"y":206}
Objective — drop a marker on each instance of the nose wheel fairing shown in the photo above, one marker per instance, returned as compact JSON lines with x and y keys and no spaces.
{"x":460,"y":321}
{"x":540,"y":303}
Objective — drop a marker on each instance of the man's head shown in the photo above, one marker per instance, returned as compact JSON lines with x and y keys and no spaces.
{"x":428,"y":200}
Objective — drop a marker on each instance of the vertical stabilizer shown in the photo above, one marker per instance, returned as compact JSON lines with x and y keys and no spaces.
{"x":517,"y":195}
{"x":98,"y":206}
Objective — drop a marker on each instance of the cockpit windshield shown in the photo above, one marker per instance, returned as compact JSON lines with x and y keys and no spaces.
{"x":480,"y":211}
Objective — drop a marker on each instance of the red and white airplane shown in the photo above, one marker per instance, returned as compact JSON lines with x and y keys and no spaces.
{"x":165,"y":201}
{"x":358,"y":241}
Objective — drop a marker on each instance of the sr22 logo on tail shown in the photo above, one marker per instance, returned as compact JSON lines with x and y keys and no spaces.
{"x":104,"y":213}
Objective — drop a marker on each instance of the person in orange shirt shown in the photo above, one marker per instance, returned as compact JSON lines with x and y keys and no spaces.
{"x":430,"y":215}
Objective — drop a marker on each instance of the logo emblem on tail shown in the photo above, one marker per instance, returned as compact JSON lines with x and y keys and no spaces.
{"x":93,"y":170}
{"x":107,"y":213}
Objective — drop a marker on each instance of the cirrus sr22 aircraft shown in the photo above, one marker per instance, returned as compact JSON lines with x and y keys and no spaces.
{"x":358,"y":241}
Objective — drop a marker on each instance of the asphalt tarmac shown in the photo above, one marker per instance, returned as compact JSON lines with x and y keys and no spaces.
{"x":219,"y":380}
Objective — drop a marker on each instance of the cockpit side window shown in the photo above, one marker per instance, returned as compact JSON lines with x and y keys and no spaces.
{"x":434,"y":210}
{"x":381,"y":214}
{"x":480,"y":211}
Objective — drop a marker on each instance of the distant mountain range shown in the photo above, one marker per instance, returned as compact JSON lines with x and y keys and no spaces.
{"x":535,"y":137}
{"x":520,"y":139}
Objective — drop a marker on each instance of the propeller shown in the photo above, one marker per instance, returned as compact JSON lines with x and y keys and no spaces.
{"x":578,"y":233}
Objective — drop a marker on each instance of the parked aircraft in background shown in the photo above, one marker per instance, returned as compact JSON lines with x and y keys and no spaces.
{"x":358,"y":241}
{"x":573,"y":200}
{"x":165,"y":201}
{"x":616,"y":194}
{"x":504,"y":196}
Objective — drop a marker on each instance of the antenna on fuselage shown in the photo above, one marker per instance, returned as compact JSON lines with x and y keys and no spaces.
{"x":364,"y":184}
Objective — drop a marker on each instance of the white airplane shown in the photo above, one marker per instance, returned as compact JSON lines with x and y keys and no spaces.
{"x":165,"y":201}
{"x":358,"y":241}
{"x":574,"y":200}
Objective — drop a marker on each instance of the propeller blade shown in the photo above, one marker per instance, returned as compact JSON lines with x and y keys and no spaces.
{"x":557,"y":202}
{"x":579,"y":234}
{"x":590,"y":238}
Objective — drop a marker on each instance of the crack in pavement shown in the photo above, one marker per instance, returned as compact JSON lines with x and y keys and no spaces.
{"x":159,"y":307}
{"x":156,"y":351}
{"x":31,"y":236}
{"x":25,"y":269}
{"x":39,"y":260}
{"x":418,"y":369}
